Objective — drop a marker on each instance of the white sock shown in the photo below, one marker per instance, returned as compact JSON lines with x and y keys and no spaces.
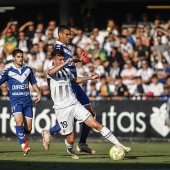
{"x":68,"y":146}
{"x":106,"y":133}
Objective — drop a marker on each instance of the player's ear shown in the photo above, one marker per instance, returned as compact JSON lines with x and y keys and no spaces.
{"x":59,"y":34}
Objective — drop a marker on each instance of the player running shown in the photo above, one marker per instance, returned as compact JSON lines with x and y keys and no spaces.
{"x":64,"y":33}
{"x":67,"y":107}
{"x":18,"y":77}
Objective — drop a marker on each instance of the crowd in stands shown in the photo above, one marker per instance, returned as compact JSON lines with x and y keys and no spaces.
{"x":133,"y":59}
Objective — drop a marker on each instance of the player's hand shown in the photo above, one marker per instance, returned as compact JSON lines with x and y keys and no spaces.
{"x":69,"y":60}
{"x":83,"y":56}
{"x":95,"y":76}
{"x":38,"y":98}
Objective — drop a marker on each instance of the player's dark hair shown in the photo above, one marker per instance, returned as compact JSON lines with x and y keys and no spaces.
{"x":62,"y":28}
{"x":16,"y":51}
{"x":57,"y":52}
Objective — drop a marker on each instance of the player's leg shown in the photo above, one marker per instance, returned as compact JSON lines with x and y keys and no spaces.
{"x":28,"y":115}
{"x":69,"y":142}
{"x":19,"y":128}
{"x":27,"y":129}
{"x":17,"y":112}
{"x":47,"y":135}
{"x":105,"y":132}
{"x":84,"y":100}
{"x":66,"y":118}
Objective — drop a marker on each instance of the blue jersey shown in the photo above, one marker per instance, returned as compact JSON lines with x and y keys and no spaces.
{"x":67,"y":55}
{"x":18,"y":83}
{"x":80,"y":94}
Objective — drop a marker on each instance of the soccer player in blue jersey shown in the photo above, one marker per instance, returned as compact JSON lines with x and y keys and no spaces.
{"x":18,"y":77}
{"x":64,"y":33}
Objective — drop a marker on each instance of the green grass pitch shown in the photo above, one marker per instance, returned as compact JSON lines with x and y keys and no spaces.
{"x":143,"y":156}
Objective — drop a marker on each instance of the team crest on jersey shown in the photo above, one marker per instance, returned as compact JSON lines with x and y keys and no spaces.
{"x":64,"y":131}
{"x":25,"y":75}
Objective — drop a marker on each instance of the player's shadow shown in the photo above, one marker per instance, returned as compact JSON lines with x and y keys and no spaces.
{"x":143,"y":156}
{"x":9,"y":151}
{"x":76,"y":164}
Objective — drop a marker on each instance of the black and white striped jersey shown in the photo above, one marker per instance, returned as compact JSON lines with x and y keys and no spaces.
{"x":61,"y":90}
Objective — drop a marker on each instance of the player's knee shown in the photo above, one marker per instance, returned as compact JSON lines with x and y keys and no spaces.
{"x":71,"y":140}
{"x":19,"y":122}
{"x":90,"y":109}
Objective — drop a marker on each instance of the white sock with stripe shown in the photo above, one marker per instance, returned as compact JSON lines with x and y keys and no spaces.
{"x":107,"y":134}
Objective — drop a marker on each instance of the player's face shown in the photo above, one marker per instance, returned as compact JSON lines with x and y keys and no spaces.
{"x":18,"y":60}
{"x":58,"y":60}
{"x":65,"y":36}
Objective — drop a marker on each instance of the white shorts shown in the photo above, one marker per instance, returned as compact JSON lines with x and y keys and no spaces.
{"x":66,"y":116}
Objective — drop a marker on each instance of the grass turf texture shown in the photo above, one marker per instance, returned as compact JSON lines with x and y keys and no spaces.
{"x":143,"y":156}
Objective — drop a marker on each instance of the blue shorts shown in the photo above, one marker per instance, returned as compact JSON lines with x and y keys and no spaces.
{"x":81,"y":95}
{"x":25,"y":110}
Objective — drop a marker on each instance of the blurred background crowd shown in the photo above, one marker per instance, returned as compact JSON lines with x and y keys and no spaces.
{"x":132,"y":59}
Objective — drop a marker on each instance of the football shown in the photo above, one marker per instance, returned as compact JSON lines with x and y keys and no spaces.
{"x":117,"y":152}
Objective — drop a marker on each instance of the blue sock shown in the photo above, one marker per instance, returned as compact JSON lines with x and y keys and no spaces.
{"x":55,"y":129}
{"x":20,"y":134}
{"x":84,"y":133}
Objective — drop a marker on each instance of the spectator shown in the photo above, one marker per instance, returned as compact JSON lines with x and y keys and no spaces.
{"x":142,"y":33}
{"x":47,"y":62}
{"x":13,"y":25}
{"x":155,"y":87}
{"x":52,"y":26}
{"x":164,"y":72}
{"x":145,"y":72}
{"x":99,"y":38}
{"x":165,"y":96}
{"x":138,"y":90}
{"x":29,"y":29}
{"x":125,"y":46}
{"x":36,"y":65}
{"x":128,"y":74}
{"x":115,"y":55}
{"x":38,"y":36}
{"x":49,"y":39}
{"x":10,"y":42}
{"x":45,"y":91}
{"x":125,"y":32}
{"x":97,"y":52}
{"x":39,"y":49}
{"x":105,"y":89}
{"x":114,"y":70}
{"x":81,"y":40}
{"x":4,"y":92}
{"x":121,"y":90}
{"x":99,"y":68}
{"x":140,"y":53}
{"x":93,"y":94}
{"x":23,"y":42}
{"x":110,"y":42}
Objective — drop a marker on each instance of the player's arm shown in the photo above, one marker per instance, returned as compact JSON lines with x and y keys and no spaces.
{"x":3,"y":77}
{"x":81,"y":58}
{"x":55,"y":69}
{"x":79,"y":80}
{"x":38,"y":98}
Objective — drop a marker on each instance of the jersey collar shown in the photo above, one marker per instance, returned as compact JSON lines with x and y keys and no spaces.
{"x":13,"y":65}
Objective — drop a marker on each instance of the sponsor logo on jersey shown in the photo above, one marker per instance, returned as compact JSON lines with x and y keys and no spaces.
{"x":22,"y":86}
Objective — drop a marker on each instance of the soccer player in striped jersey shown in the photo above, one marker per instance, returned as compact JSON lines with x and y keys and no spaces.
{"x":67,"y":107}
{"x":64,"y":33}
{"x":18,"y":77}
